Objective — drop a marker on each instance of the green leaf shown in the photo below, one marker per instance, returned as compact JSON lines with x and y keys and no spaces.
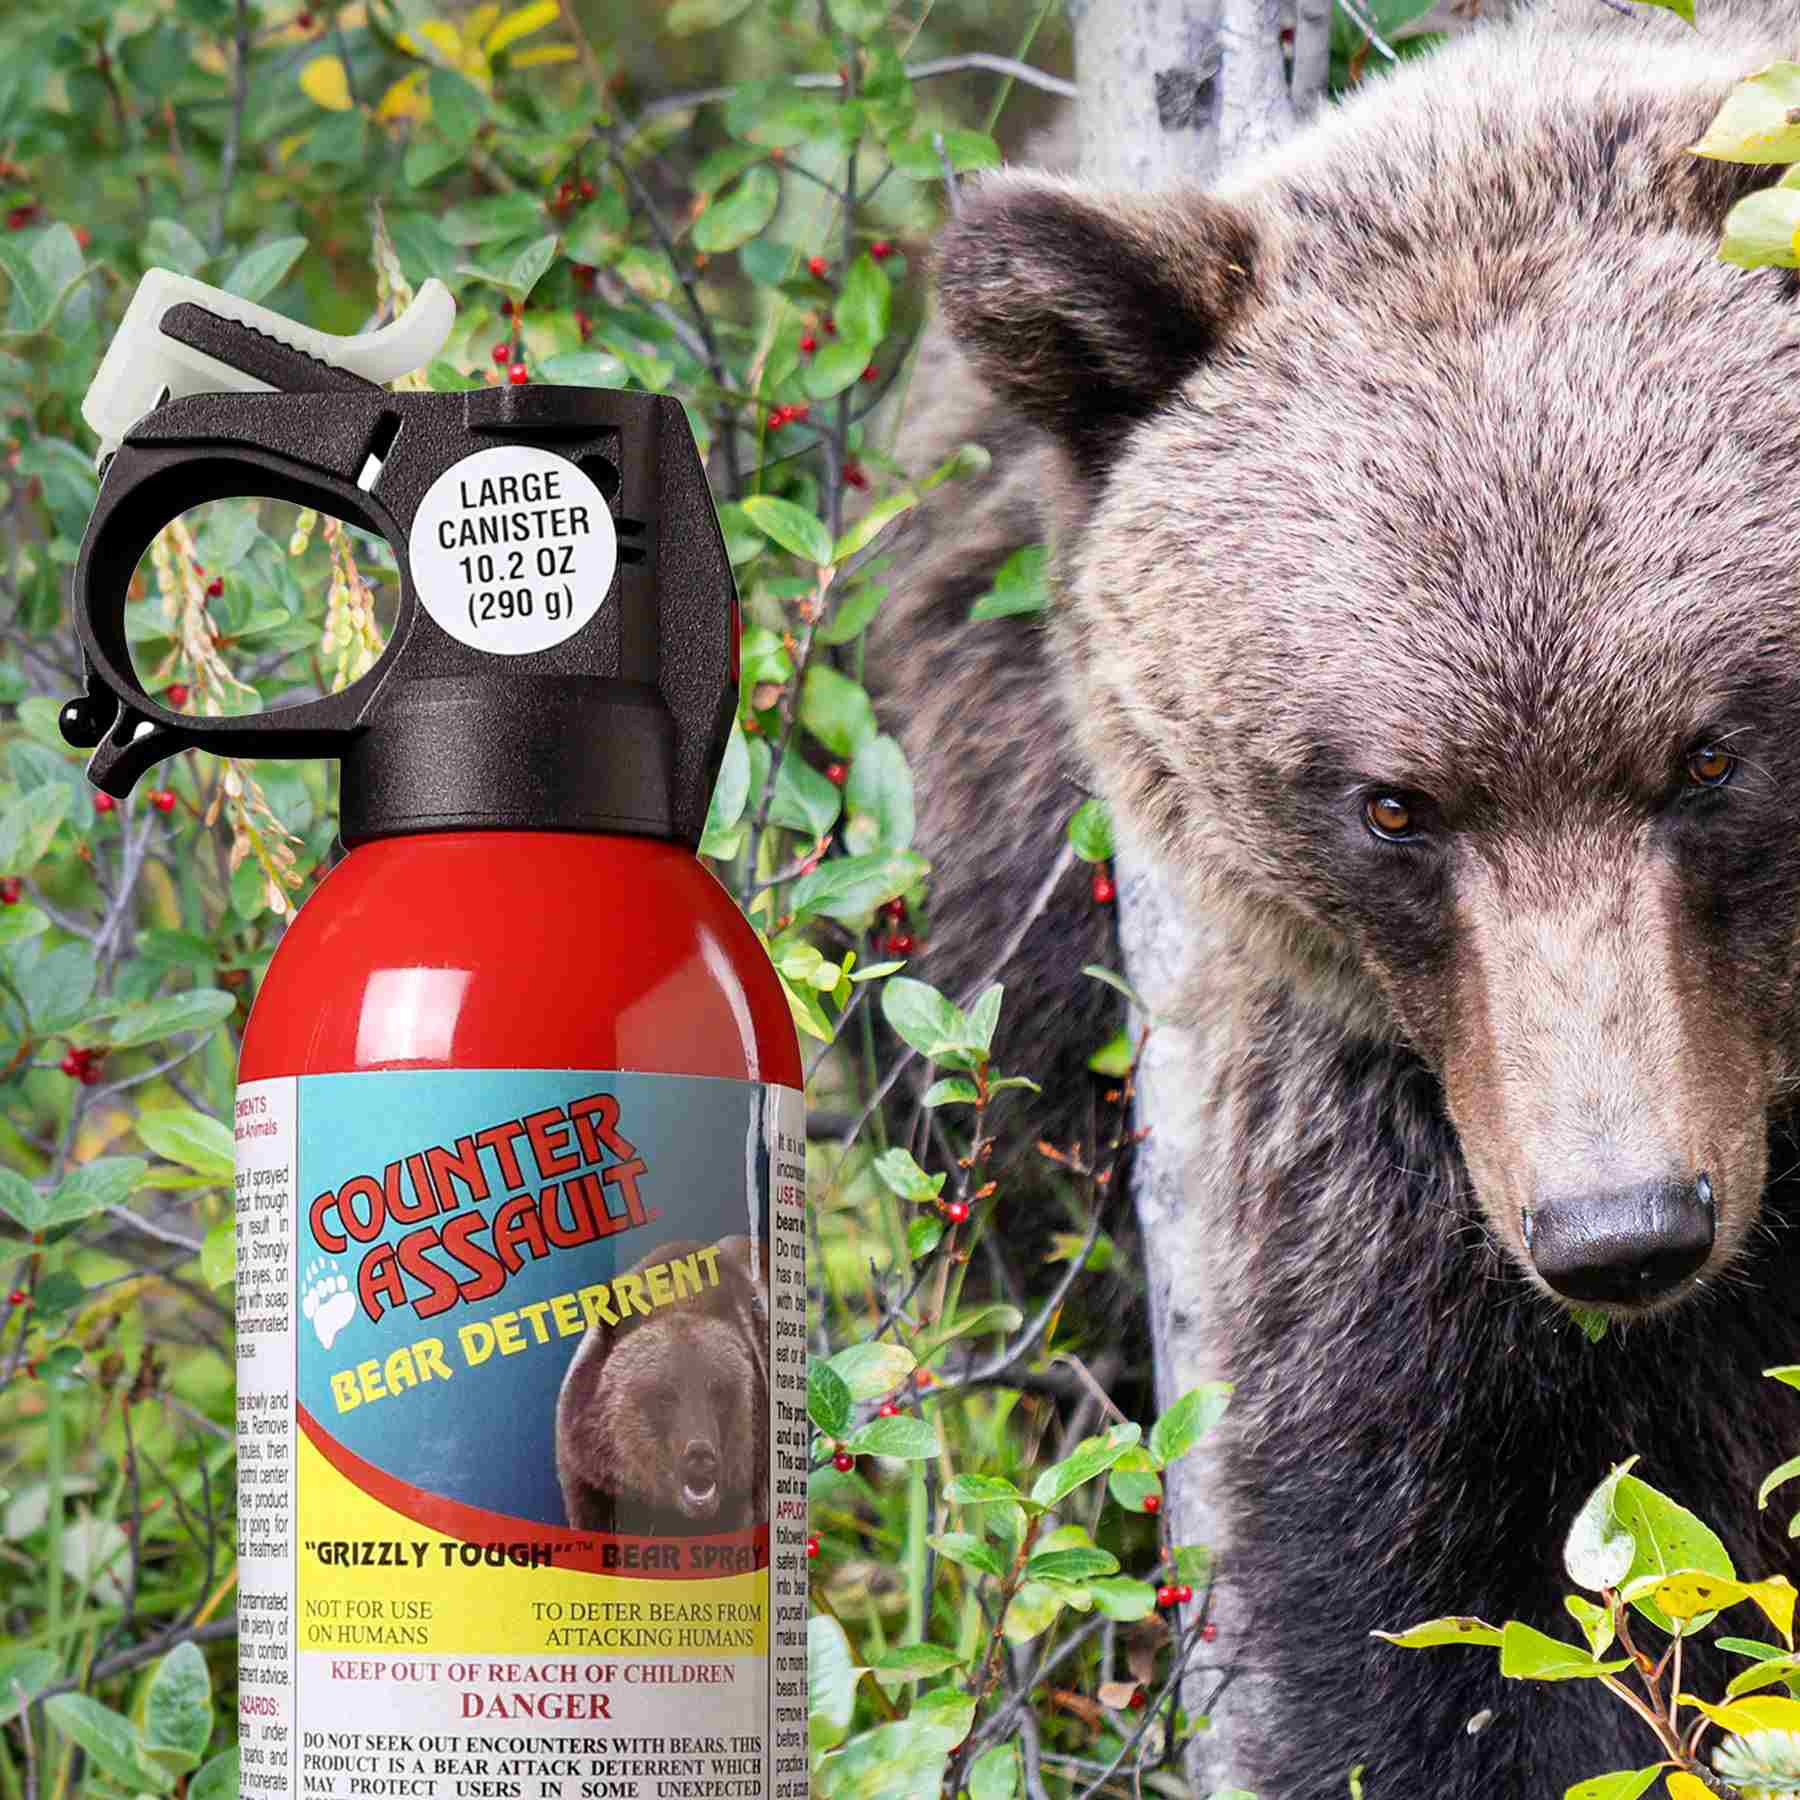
{"x":1436,"y":1632}
{"x":1598,"y":1549}
{"x":1775,"y":1478}
{"x":731,"y":791}
{"x":838,"y":362}
{"x":29,"y":824}
{"x":855,"y":608}
{"x":864,"y":532}
{"x":860,"y":19}
{"x":869,"y":1370}
{"x":56,"y":1293}
{"x":1115,"y":1056}
{"x":922,"y":159}
{"x":24,"y":1203}
{"x":1132,"y":1487}
{"x":901,"y":1761}
{"x":915,"y":1662}
{"x":496,"y":220}
{"x":1668,"y":1539}
{"x":796,"y":530}
{"x":1529,"y":1655}
{"x":585,"y":368}
{"x":918,"y":1012}
{"x":169,"y":244}
{"x":896,"y":1170}
{"x":686,"y":17}
{"x":1755,"y":123}
{"x":881,"y":785}
{"x":990,"y":1316}
{"x":217,"y":1779}
{"x":995,"y":1774}
{"x":191,"y":1138}
{"x":24,"y":1674}
{"x":1071,"y":1565}
{"x":1188,"y":1421}
{"x":218,"y":1255}
{"x":971,"y":1552}
{"x":17,"y":923}
{"x":178,"y":1714}
{"x":980,"y":1490}
{"x":109,"y":1740}
{"x":1033,"y":1611}
{"x":1123,"y":1598}
{"x":831,"y":1677}
{"x":863,"y":303}
{"x":910,"y":1439}
{"x":1021,"y":585}
{"x":198,"y":1009}
{"x":1091,"y":832}
{"x":94,"y":1186}
{"x":1622,"y":1784}
{"x":851,"y":887}
{"x":923,"y":1235}
{"x":738,"y":214}
{"x":1789,"y":1373}
{"x":1763,"y":231}
{"x":526,"y":269}
{"x":953,"y":1090}
{"x":1094,"y":1456}
{"x":260,"y":272}
{"x":55,"y":985}
{"x":827,"y":1399}
{"x":836,"y":710}
{"x":1595,"y":1622}
{"x":458,"y":108}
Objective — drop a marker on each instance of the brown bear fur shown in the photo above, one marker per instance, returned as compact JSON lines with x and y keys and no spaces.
{"x":1435,"y":453}
{"x":662,"y":1421}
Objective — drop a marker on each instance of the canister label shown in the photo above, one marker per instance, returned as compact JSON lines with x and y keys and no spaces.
{"x":514,"y":1348}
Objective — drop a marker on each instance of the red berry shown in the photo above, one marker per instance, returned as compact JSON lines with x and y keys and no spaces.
{"x":163,"y":799}
{"x":828,"y":325}
{"x":856,"y":475}
{"x":812,"y":1545}
{"x":305,"y":21}
{"x":72,"y":1064}
{"x":778,"y":417}
{"x":1165,"y":1597}
{"x":901,"y":943}
{"x":1208,"y":1632}
{"x":871,"y":373}
{"x":502,"y":354}
{"x":1184,"y":1593}
{"x":881,"y":249}
{"x":18,"y":1297}
{"x":808,"y":344}
{"x":10,"y":890}
{"x":843,"y":1462}
{"x":800,"y":413}
{"x":1152,"y":1503}
{"x":90,"y":1074}
{"x":887,"y":1410}
{"x":817,"y":265}
{"x":1138,"y":1701}
{"x":893,"y":909}
{"x":20,"y":217}
{"x":83,"y":236}
{"x":837,"y":773}
{"x":176,"y":695}
{"x":587,"y":190}
{"x":215,"y":587}
{"x":1104,"y":890}
{"x":956,"y":1211}
{"x":104,"y":803}
{"x":517,"y":375}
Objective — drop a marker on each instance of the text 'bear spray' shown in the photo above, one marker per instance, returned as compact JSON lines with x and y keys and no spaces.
{"x":520,"y":1145}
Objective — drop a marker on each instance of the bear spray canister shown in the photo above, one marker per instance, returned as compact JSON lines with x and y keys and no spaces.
{"x":520,"y":1143}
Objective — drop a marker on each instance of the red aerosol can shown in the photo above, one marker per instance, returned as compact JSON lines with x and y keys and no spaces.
{"x":520,"y":1139}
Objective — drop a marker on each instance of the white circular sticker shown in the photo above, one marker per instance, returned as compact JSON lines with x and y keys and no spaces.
{"x":513,"y":550}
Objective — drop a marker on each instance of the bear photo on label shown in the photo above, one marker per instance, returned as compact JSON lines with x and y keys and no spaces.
{"x":1425,"y":602}
{"x":658,"y":1422}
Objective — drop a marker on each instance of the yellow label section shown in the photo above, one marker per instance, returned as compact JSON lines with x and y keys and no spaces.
{"x":372,"y":1581}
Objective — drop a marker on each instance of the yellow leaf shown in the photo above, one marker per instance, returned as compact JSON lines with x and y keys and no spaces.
{"x":324,"y":82}
{"x":545,"y":53}
{"x":1755,"y":1712}
{"x":440,"y":34}
{"x":290,"y":144}
{"x":1684,"y":1786}
{"x":1693,"y":1591}
{"x":406,"y":99}
{"x":521,"y":23}
{"x":477,"y":25}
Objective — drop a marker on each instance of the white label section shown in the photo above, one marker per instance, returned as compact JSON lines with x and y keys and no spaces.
{"x":513,"y":550}
{"x":792,"y":1441}
{"x":266,"y":1130}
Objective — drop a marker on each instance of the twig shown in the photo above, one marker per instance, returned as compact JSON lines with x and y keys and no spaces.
{"x":1366,"y":26}
{"x":163,"y":1235}
{"x":148,"y":1651}
{"x":1008,"y":66}
{"x":240,"y":92}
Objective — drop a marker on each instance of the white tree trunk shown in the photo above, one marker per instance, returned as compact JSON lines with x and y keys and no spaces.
{"x":1171,"y":91}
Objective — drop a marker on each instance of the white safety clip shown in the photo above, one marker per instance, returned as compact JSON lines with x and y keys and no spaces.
{"x":144,"y":366}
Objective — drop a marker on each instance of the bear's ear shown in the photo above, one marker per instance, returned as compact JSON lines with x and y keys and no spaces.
{"x":1084,"y":309}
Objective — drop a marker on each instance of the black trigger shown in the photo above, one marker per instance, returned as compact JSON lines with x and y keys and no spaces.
{"x":256,"y":354}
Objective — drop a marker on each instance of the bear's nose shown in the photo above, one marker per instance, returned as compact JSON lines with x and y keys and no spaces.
{"x":1622,"y":1244}
{"x":699,"y":1462}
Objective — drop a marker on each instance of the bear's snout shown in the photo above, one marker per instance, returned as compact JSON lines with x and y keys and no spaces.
{"x":699,"y":1497}
{"x":1622,"y":1245}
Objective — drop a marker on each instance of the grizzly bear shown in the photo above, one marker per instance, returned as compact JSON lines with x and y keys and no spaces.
{"x":1425,"y":567}
{"x":661,"y":1423}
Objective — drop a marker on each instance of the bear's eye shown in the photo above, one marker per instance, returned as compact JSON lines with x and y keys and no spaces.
{"x":1710,"y":766}
{"x":1389,"y":816}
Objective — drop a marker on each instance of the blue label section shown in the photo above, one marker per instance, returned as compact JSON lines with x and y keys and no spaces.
{"x":463,"y":1232}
